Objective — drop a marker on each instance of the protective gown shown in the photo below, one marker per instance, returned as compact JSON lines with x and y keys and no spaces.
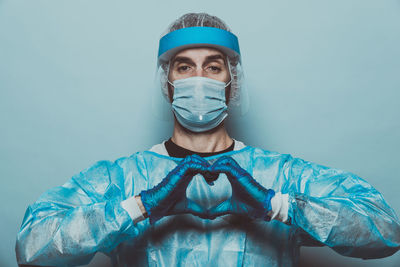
{"x":70,"y":223}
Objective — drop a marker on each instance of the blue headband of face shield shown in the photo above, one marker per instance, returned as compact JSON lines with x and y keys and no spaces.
{"x":191,"y":37}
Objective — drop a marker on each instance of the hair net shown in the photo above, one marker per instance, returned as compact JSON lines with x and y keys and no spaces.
{"x":238,"y":98}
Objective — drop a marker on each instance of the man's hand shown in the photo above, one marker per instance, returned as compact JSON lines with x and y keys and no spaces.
{"x":248,"y":198}
{"x":169,"y":196}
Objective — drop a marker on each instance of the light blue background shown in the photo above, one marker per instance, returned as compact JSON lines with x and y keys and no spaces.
{"x":75,"y":76}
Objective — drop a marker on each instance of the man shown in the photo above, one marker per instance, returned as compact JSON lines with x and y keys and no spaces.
{"x":209,"y":199}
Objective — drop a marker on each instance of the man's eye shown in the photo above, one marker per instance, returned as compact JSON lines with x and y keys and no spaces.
{"x":183,"y":68}
{"x":214,"y":69}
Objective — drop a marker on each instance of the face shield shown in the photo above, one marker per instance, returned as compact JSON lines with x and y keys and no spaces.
{"x":197,"y":37}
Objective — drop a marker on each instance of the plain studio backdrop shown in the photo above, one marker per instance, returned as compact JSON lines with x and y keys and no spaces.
{"x":75,"y":81}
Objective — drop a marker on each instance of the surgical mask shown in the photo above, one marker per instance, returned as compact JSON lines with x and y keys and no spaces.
{"x":199,"y":103}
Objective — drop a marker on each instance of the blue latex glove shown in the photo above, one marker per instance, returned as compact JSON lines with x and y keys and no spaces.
{"x":248,"y":198}
{"x":169,"y":196}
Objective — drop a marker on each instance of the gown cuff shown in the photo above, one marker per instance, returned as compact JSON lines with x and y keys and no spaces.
{"x":131,"y":206}
{"x":280,"y":206}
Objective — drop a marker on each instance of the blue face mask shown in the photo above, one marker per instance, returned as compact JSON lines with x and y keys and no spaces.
{"x":199,"y":103}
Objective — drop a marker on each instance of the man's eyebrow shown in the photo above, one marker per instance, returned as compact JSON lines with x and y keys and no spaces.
{"x":181,"y":59}
{"x":215,"y":57}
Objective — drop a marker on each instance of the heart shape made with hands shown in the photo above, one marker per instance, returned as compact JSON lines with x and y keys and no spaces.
{"x":206,"y":195}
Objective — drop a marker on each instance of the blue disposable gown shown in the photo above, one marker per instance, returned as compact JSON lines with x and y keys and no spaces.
{"x":70,"y":223}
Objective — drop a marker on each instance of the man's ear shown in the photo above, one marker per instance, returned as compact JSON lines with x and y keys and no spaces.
{"x":170,"y":93}
{"x":228,"y":94}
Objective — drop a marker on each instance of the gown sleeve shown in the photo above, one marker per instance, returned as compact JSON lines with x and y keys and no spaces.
{"x":68,"y":224}
{"x":340,"y":210}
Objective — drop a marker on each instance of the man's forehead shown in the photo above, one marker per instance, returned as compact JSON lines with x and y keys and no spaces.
{"x":200,"y":52}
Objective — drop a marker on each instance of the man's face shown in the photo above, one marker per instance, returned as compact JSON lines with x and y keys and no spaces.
{"x":204,"y":62}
